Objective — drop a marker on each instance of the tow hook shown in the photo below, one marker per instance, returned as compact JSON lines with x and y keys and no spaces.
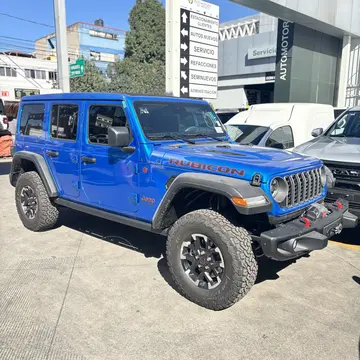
{"x":337,"y":230}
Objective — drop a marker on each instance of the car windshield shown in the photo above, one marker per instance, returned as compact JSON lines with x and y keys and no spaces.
{"x":246,"y":134}
{"x":161,"y":119}
{"x":347,"y":126}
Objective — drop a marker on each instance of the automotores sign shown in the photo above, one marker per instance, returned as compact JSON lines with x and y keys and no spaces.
{"x":259,"y":53}
{"x":285,"y":41}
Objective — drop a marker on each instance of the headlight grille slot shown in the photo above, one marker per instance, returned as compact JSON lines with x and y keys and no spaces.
{"x":303,"y":187}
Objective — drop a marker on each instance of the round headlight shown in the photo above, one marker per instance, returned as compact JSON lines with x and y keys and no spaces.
{"x":323,"y":176}
{"x":279,"y":189}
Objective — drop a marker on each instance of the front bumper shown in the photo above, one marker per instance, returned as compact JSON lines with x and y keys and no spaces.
{"x":300,"y":236}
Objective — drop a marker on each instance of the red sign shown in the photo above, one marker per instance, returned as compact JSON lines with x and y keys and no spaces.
{"x":5,"y":93}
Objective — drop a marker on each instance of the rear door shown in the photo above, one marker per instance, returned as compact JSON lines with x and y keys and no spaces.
{"x":63,"y":147}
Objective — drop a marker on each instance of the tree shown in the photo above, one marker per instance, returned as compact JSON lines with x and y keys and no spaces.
{"x":92,"y":81}
{"x":143,"y":68}
{"x":145,"y":42}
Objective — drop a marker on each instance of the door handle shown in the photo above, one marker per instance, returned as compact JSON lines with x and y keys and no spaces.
{"x":88,"y":160}
{"x":52,"y":154}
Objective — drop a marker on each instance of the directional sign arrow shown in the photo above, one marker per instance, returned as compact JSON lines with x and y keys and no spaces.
{"x":184,"y":32}
{"x":184,"y":17}
{"x":184,"y":90}
{"x":183,"y":47}
{"x":183,"y":75}
{"x":183,"y":61}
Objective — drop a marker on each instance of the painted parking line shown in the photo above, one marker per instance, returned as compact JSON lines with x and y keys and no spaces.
{"x":353,"y":247}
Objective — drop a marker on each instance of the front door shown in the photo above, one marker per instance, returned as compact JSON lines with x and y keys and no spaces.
{"x":63,"y":147}
{"x":108,"y":174}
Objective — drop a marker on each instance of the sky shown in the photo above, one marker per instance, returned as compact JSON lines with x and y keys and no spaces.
{"x":113,"y":12}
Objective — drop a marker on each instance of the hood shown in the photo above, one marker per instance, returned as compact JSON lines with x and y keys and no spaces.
{"x":332,"y":149}
{"x":233,"y":159}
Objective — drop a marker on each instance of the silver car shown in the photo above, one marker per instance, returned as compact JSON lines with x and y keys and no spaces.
{"x":339,"y":148}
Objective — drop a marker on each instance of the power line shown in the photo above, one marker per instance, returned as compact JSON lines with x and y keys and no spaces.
{"x":47,"y":25}
{"x":30,"y":21}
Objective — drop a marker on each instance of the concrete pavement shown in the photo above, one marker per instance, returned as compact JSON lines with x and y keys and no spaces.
{"x":92,"y":289}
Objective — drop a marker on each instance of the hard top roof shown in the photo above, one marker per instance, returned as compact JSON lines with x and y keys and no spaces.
{"x":103,"y":97}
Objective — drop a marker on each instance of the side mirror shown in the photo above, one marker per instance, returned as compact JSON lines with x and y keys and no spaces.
{"x":118,"y":136}
{"x":317,"y":132}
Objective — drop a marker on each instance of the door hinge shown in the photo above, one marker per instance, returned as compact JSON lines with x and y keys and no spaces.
{"x":133,"y":199}
{"x":77,"y":185}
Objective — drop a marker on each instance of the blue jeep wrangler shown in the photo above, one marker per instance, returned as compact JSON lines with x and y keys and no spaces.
{"x":166,"y":165}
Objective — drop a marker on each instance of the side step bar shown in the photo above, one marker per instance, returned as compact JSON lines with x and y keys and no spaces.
{"x":109,"y":216}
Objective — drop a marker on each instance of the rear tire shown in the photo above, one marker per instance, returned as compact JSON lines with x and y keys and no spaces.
{"x":34,"y":207}
{"x":211,"y":260}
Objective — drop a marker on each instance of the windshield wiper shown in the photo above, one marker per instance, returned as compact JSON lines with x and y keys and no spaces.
{"x":206,"y":136}
{"x":171,"y":136}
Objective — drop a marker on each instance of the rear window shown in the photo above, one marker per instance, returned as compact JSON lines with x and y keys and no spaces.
{"x":32,"y":119}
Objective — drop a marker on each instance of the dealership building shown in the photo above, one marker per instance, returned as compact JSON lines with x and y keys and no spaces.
{"x":292,"y":51}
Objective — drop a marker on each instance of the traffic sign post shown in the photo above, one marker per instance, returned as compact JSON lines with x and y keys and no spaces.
{"x":77,"y":69}
{"x":192,"y":38}
{"x":199,"y":40}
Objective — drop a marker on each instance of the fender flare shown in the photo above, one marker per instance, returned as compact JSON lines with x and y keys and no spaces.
{"x":41,"y":167}
{"x":222,"y":185}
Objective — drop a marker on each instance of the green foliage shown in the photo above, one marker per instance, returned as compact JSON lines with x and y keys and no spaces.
{"x":145,"y":42}
{"x":92,"y":80}
{"x":143,"y":68}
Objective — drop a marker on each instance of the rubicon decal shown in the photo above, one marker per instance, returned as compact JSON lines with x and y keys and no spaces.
{"x":208,"y":167}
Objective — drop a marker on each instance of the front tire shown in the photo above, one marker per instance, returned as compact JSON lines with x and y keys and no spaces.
{"x":34,"y":207}
{"x":211,"y":260}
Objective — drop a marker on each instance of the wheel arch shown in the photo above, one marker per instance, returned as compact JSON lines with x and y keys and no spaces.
{"x":225,"y":187}
{"x":24,"y":161}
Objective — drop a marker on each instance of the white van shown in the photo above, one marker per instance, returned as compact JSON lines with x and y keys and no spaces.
{"x":278,"y":125}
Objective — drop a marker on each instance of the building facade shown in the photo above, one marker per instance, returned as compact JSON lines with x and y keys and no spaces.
{"x":103,"y":45}
{"x":317,"y":42}
{"x":25,"y":75}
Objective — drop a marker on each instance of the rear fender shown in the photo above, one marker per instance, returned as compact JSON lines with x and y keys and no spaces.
{"x":41,"y":167}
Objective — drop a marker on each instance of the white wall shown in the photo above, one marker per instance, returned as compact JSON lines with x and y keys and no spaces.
{"x":8,"y":84}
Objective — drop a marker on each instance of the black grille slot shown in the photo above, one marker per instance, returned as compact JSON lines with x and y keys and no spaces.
{"x":303,"y":187}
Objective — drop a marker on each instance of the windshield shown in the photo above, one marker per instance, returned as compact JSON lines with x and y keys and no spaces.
{"x":246,"y":134}
{"x":347,"y":126}
{"x":178,"y":119}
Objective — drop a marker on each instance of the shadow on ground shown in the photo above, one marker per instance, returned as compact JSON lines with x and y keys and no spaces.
{"x":356,"y":279}
{"x":151,"y":245}
{"x":349,"y":236}
{"x":5,"y":167}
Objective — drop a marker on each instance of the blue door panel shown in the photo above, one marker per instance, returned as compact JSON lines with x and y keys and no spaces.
{"x":65,"y":167}
{"x":111,"y":182}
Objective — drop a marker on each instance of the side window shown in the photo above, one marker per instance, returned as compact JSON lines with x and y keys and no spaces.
{"x":281,"y":138}
{"x":101,"y":117}
{"x":64,"y":121}
{"x":32,"y":118}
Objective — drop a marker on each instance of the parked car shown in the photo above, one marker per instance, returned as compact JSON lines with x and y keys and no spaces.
{"x":166,"y":165}
{"x":339,"y":148}
{"x":278,"y":125}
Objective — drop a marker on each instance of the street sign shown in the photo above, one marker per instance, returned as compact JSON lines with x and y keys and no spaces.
{"x":77,"y":69}
{"x":199,"y":41}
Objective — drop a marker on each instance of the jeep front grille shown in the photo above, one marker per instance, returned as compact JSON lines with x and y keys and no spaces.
{"x":303,"y":187}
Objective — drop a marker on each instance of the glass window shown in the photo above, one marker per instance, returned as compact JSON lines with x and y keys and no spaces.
{"x":101,"y":117}
{"x":169,"y":119}
{"x":281,"y":138}
{"x":347,"y":126}
{"x":246,"y":134}
{"x":52,"y":75}
{"x":32,"y":118}
{"x":2,"y":71}
{"x":64,"y":121}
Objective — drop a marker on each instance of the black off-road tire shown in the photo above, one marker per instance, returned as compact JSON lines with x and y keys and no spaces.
{"x":47,"y":214}
{"x":235,"y":245}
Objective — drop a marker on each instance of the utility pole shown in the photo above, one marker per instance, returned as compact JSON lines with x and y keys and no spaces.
{"x":61,"y":45}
